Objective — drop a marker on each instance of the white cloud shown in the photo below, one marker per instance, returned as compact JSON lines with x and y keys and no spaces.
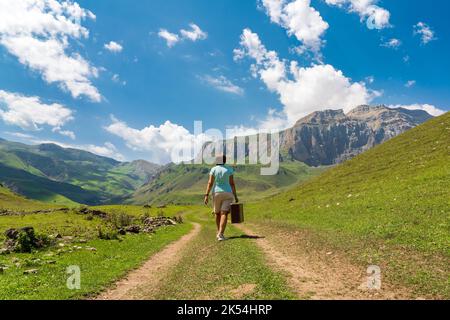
{"x":425,"y":32}
{"x":223,"y":84}
{"x":392,"y":43}
{"x":113,"y":47}
{"x":302,"y":90}
{"x":410,"y":83}
{"x":20,"y":135}
{"x":30,"y":113}
{"x":300,"y":20}
{"x":377,"y":17}
{"x":37,"y":32}
{"x":370,"y":79}
{"x":432,"y":110}
{"x":65,"y":133}
{"x":107,"y":150}
{"x":157,"y":142}
{"x":171,"y":38}
{"x":194,"y":34}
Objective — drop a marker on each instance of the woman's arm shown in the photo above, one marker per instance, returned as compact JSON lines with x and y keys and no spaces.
{"x":233,"y":188}
{"x":208,"y":189}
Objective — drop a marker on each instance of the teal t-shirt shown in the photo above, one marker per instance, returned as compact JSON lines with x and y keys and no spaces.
{"x":222,"y":178}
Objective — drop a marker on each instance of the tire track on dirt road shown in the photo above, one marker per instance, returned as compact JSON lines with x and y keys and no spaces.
{"x":143,"y":282}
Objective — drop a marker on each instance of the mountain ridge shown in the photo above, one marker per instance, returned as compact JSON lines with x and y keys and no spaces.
{"x":80,"y":175}
{"x":332,"y":136}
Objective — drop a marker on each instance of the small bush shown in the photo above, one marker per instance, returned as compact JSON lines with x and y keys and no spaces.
{"x":108,"y":234}
{"x":120,"y":220}
{"x":27,"y":240}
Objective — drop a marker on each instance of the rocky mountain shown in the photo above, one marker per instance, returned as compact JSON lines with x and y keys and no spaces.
{"x":51,"y":173}
{"x":330,"y":137}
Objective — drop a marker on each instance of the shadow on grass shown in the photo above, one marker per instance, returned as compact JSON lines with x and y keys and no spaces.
{"x":245,"y":236}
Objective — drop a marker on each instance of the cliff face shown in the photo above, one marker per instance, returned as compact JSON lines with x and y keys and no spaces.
{"x":330,"y":137}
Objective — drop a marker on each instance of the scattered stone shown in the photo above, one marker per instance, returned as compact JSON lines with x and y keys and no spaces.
{"x":51,"y":262}
{"x":329,"y":253}
{"x":91,"y":249}
{"x":97,"y":213}
{"x":12,"y":234}
{"x":31,"y":271}
{"x":82,"y":241}
{"x":133,"y":229}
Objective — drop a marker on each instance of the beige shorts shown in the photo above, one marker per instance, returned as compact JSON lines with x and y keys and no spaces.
{"x":222,"y":202}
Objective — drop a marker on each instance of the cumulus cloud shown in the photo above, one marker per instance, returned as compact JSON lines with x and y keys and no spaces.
{"x":425,"y":32}
{"x":410,"y":83}
{"x":432,"y":110}
{"x":30,"y":113}
{"x":194,"y":34}
{"x":113,"y":47}
{"x":223,"y":84}
{"x":300,"y":20}
{"x":107,"y":150}
{"x":159,"y":143}
{"x":377,"y":17}
{"x":170,"y":38}
{"x":37,"y":32}
{"x":392,"y":43}
{"x":66,"y":133}
{"x":301,"y":90}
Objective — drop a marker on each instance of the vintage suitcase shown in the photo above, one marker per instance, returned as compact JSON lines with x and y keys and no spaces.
{"x":237,"y":213}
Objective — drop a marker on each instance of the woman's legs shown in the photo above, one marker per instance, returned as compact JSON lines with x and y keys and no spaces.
{"x":218,"y":218}
{"x":223,"y":222}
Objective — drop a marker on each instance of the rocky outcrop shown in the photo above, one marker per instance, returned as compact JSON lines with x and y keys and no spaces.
{"x":330,"y":137}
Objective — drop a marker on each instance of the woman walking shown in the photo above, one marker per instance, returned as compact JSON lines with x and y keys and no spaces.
{"x":221,"y":182}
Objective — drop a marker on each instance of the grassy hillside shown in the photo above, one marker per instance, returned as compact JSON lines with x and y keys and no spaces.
{"x":11,"y":201}
{"x":102,"y":261}
{"x":389,"y":206}
{"x":185,"y":184}
{"x":53,"y":174}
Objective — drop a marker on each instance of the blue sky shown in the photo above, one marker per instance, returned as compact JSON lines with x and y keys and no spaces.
{"x":141,"y":97}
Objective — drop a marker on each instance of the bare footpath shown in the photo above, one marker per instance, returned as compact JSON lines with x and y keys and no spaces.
{"x":141,"y":284}
{"x":317,"y":275}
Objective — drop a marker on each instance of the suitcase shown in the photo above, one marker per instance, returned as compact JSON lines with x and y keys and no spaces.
{"x":237,"y":213}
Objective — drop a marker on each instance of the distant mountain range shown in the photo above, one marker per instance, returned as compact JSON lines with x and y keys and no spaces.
{"x":51,"y":173}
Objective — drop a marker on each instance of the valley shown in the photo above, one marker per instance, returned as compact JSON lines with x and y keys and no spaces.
{"x":310,"y":233}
